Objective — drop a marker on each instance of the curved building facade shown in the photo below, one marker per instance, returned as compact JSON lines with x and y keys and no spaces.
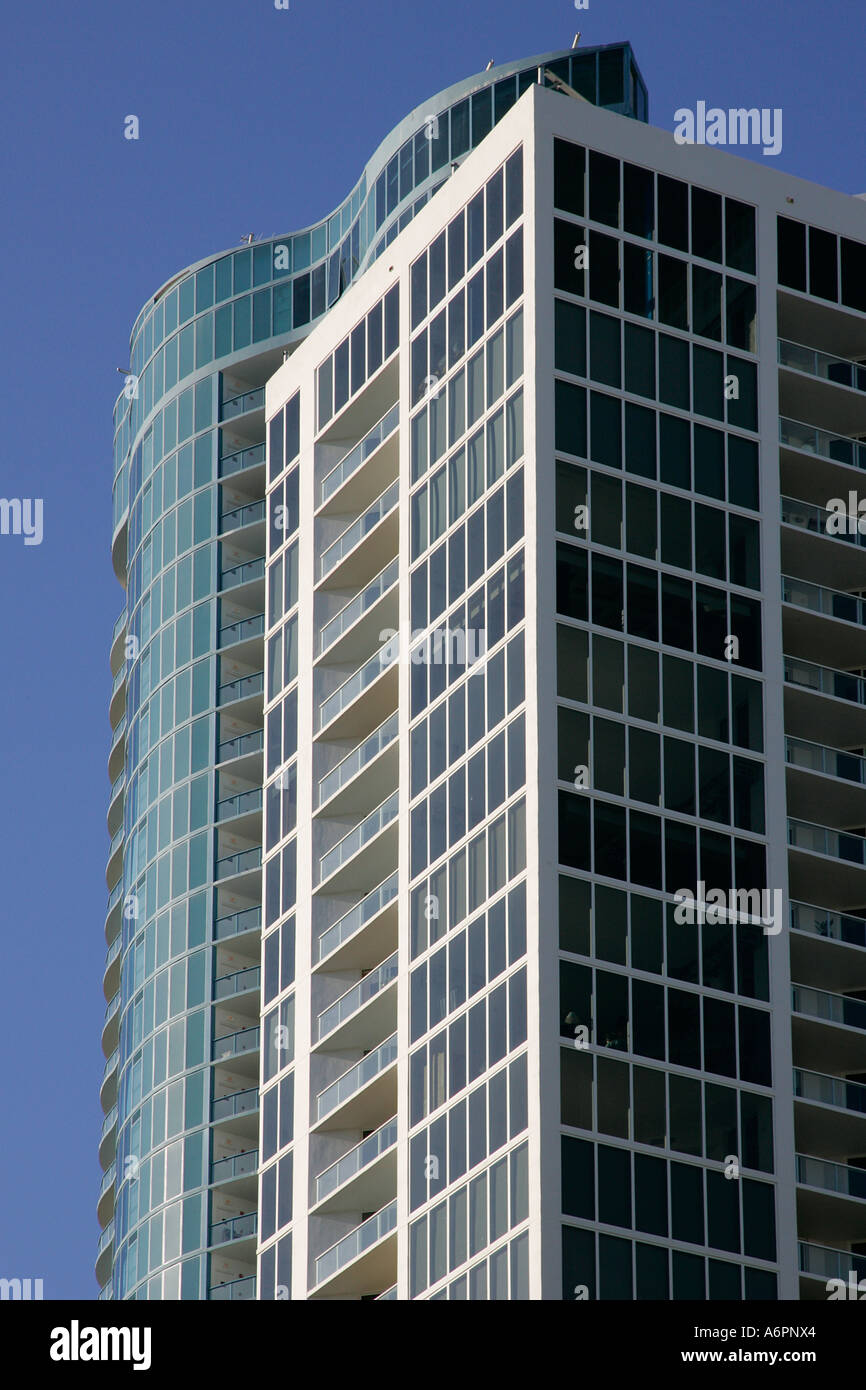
{"x":178,"y":1203}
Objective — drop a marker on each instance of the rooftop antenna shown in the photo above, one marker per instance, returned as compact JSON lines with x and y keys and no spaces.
{"x":489,"y":66}
{"x":249,"y":238}
{"x":576,"y":39}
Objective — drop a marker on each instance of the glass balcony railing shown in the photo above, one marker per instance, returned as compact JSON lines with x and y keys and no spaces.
{"x":118,"y":680}
{"x":239,"y":863}
{"x":111,"y":1120}
{"x":234,"y":1228}
{"x":389,"y":1295}
{"x":110,"y":1065}
{"x":235,"y":1045}
{"x":242,"y":688}
{"x":358,"y":758}
{"x":830,"y":1090}
{"x":106,"y":1239}
{"x":116,"y":842}
{"x":842,"y":685}
{"x":242,"y":631}
{"x":360,"y":453}
{"x":361,"y":835}
{"x":827,"y":1263}
{"x":358,"y":1076}
{"x":237,"y":983}
{"x":356,"y":684}
{"x":116,"y":787}
{"x":118,"y":733}
{"x":837,"y":448}
{"x":107,"y":1179}
{"x":358,"y":606}
{"x":831,"y":1008}
{"x":358,"y":995}
{"x":239,"y":805}
{"x":230,"y":464}
{"x":829,"y":602}
{"x":112,"y":1007}
{"x":119,"y":625}
{"x":831,"y":761}
{"x":239,"y":405}
{"x":240,"y":1102}
{"x":356,"y":1160}
{"x":349,"y":538}
{"x":236,"y":922}
{"x":839,"y":370}
{"x":359,"y":1240}
{"x":357,"y":917}
{"x":235,"y":1291}
{"x":238,"y":747}
{"x":834,"y":926}
{"x":242,"y":516}
{"x":106,"y":1292}
{"x":833,"y":1177}
{"x":821,"y":522}
{"x":235,"y":1166}
{"x":242,"y":574}
{"x":115,"y":895}
{"x":820,"y":839}
{"x":113,"y":951}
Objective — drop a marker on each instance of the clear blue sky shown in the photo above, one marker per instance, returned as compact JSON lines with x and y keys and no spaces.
{"x":252,"y":119}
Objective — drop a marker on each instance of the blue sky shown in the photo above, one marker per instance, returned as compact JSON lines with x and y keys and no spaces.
{"x":252,"y":120}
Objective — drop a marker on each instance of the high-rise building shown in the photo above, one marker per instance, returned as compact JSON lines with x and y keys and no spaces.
{"x":519,"y":602}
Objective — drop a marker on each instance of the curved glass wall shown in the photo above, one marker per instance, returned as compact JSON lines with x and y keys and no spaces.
{"x":185,"y":914}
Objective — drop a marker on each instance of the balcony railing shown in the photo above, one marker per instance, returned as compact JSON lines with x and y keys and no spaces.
{"x":111,"y":1007}
{"x":837,"y":448}
{"x":358,"y":995}
{"x":115,"y":895}
{"x":239,"y":863}
{"x":828,"y":602}
{"x":359,"y":836}
{"x":235,"y":1166}
{"x":820,"y":839}
{"x":827,"y":1263}
{"x":839,"y":370}
{"x":357,"y":916}
{"x":230,"y":464}
{"x":240,"y":1102}
{"x":236,"y":922}
{"x":842,"y":685}
{"x":356,"y":684}
{"x":359,"y":1240}
{"x":358,"y":606}
{"x":238,"y":747}
{"x":113,"y":951}
{"x":242,"y":574}
{"x":234,"y":1045}
{"x":242,"y":688}
{"x":242,"y":631}
{"x":821,"y":522}
{"x":237,"y":983}
{"x":119,"y":625}
{"x":830,"y":1090}
{"x":118,"y":680}
{"x":242,"y":516}
{"x":118,"y":732}
{"x":239,"y":805}
{"x":106,"y":1239}
{"x":360,"y":453}
{"x":833,"y":1177}
{"x":116,"y":787}
{"x":236,"y":1290}
{"x":352,"y":1163}
{"x":358,"y":1075}
{"x":234,"y":1228}
{"x":833,"y":762}
{"x":239,"y":405}
{"x":835,"y":926}
{"x":349,"y":538}
{"x":107,"y":1179}
{"x":111,"y":1120}
{"x":110,"y":1065}
{"x":831,"y":1008}
{"x":358,"y":758}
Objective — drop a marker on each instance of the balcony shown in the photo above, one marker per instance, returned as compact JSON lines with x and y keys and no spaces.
{"x":108,"y":1085}
{"x":111,"y":1025}
{"x":343,"y":712}
{"x":242,"y":574}
{"x":242,"y":689}
{"x":239,"y":517}
{"x":242,"y":631}
{"x":342,"y":1021}
{"x":240,"y":1110}
{"x":841,"y":371}
{"x":234,"y":1228}
{"x":822,"y":1262}
{"x":241,"y":746}
{"x":241,"y":805}
{"x":235,"y":1291}
{"x":234,"y":1045}
{"x":237,"y":923}
{"x":230,"y":464}
{"x":247,"y":861}
{"x":366,"y":1257}
{"x":115,"y":804}
{"x":830,"y":1114}
{"x":826,"y":862}
{"x":346,"y":944}
{"x":363,"y":1092}
{"x":816,"y":543}
{"x":831,"y":1202}
{"x":844,"y":449}
{"x":359,"y":758}
{"x":378,"y":858}
{"x":830,"y":926}
{"x":824,"y":800}
{"x":334,"y":554}
{"x":114,"y":866}
{"x":111,"y":974}
{"x":226,"y":986}
{"x":108,"y":1138}
{"x":117,"y":750}
{"x":827,"y":703}
{"x":338,"y":476}
{"x":238,"y":1172}
{"x":352,"y":612}
{"x":104,"y":1252}
{"x":827,"y":388}
{"x":360,"y":1179}
{"x":242,"y":404}
{"x":105,"y":1200}
{"x":112,"y":914}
